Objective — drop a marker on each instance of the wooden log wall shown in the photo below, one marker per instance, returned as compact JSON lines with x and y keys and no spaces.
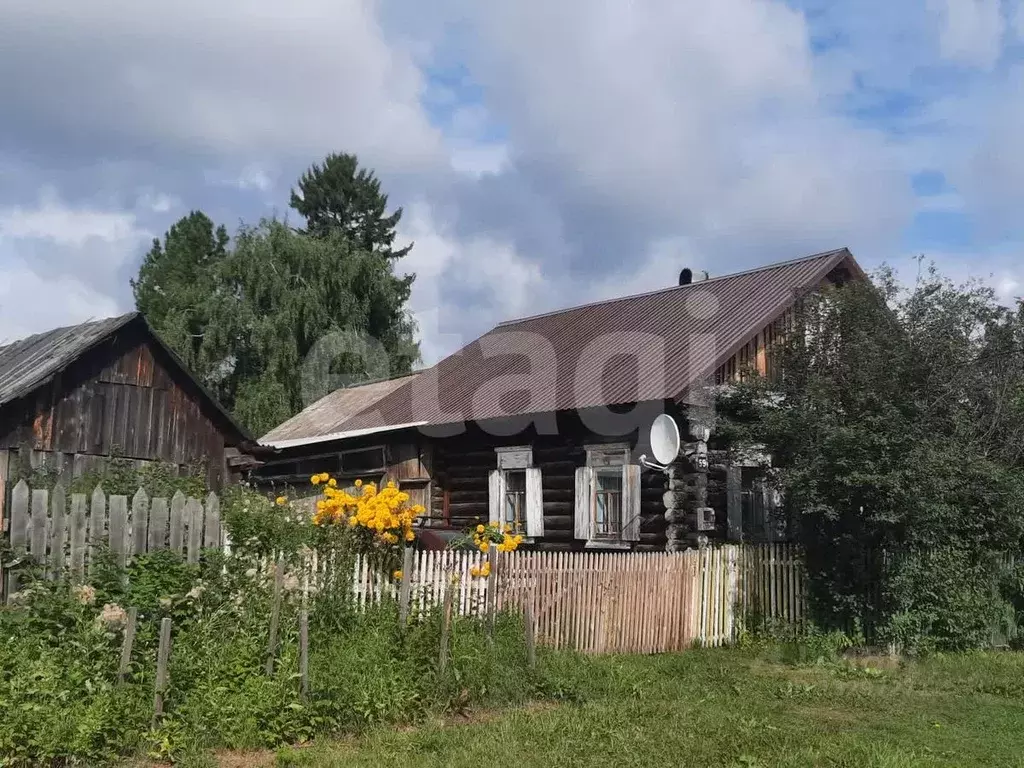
{"x":459,"y":488}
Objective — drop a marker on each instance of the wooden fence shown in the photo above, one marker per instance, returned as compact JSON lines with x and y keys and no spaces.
{"x":59,"y":534}
{"x":595,"y":602}
{"x":613,"y":602}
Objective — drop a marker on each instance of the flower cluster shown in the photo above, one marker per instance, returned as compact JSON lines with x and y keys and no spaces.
{"x":503,"y":539}
{"x":112,"y":618}
{"x":484,"y":537}
{"x":385,"y":512}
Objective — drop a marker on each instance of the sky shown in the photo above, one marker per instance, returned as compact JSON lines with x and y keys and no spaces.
{"x":544,"y":154}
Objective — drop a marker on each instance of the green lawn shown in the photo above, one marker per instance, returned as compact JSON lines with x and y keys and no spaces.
{"x":728,"y":708}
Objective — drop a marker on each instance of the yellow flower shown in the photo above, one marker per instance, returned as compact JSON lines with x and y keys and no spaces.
{"x":315,"y":479}
{"x":397,"y":575}
{"x":474,"y":571}
{"x":410,"y":536}
{"x":280,"y":501}
{"x":480,"y":529}
{"x":485,"y":545}
{"x":332,"y":482}
{"x":359,"y":483}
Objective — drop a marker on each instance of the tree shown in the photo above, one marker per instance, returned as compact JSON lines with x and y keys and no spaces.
{"x":340,"y":197}
{"x":301,"y":316}
{"x":893,"y":432}
{"x":280,"y":317}
{"x":176,"y":285}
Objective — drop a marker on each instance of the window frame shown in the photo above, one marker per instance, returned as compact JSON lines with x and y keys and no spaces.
{"x":601,"y":458}
{"x":517,"y":458}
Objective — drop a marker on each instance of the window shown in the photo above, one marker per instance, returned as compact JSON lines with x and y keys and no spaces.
{"x":608,"y":497}
{"x":515,"y":493}
{"x":754,"y":507}
{"x":607,"y":503}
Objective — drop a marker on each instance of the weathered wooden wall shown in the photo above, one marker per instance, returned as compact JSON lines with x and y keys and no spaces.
{"x":119,"y":399}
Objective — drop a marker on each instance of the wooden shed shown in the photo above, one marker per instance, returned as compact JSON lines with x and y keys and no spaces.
{"x":72,"y":398}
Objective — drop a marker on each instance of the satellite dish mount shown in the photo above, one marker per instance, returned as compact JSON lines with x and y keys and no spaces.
{"x":664,"y":442}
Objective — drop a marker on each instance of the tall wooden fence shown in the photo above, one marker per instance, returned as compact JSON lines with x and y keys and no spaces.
{"x":58,"y":531}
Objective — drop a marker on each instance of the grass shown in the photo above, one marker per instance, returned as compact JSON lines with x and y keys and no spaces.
{"x":728,"y":707}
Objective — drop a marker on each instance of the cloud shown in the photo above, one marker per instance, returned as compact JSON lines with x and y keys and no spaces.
{"x":970,"y":31}
{"x":238,"y":78}
{"x":545,"y":154}
{"x":63,"y":264}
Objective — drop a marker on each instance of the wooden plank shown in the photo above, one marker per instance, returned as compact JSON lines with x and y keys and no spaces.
{"x":20,"y":516}
{"x":194,"y":516}
{"x":39,"y":526}
{"x":275,"y":616}
{"x":58,"y":529}
{"x":163,"y":658}
{"x":97,"y":523}
{"x":139,"y":522}
{"x":211,"y":523}
{"x":77,"y":536}
{"x":156,"y":538}
{"x":177,"y":535}
{"x":126,"y":645}
{"x":119,"y":528}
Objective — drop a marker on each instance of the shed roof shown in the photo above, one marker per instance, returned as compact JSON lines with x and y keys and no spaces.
{"x":29,"y":363}
{"x":651,"y":346}
{"x":324,"y":418}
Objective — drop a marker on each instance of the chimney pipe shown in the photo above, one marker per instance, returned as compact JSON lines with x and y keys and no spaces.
{"x":686,"y":276}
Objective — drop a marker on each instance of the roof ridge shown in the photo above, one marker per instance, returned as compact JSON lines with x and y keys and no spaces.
{"x":656,"y":291}
{"x":125,"y":316}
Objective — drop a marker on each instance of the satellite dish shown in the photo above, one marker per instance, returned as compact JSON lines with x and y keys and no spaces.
{"x":664,"y":439}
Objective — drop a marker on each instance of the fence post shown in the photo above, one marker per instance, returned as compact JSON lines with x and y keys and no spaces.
{"x":492,"y":589}
{"x":405,"y":593}
{"x":126,"y":645}
{"x":304,"y":654}
{"x":531,"y":648}
{"x":275,"y":616}
{"x":446,"y":628}
{"x":163,"y":656}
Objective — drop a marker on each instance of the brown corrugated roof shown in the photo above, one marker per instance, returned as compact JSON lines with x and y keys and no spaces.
{"x":651,"y":346}
{"x":327,"y":415}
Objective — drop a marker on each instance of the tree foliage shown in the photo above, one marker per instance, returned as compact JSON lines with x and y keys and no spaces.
{"x":895,"y":431}
{"x":340,"y":197}
{"x":279,"y":317}
{"x":174,"y":282}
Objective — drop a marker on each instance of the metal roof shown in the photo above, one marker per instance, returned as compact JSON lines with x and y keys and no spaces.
{"x":651,"y":346}
{"x":323,"y":419}
{"x":27,"y":364}
{"x":30,"y":362}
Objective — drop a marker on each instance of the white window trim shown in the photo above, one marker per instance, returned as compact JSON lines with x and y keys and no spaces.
{"x":602,"y":455}
{"x":518,"y":458}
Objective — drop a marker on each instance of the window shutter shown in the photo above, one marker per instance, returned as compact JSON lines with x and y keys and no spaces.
{"x":495,"y":488}
{"x":584,"y":484}
{"x":631,"y":502}
{"x":534,"y":503}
